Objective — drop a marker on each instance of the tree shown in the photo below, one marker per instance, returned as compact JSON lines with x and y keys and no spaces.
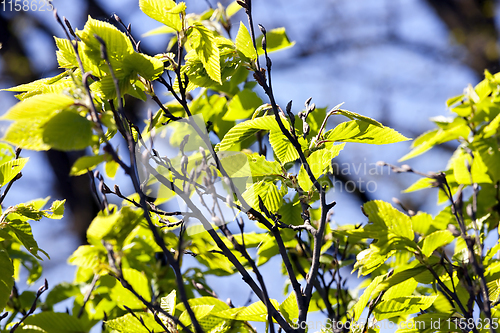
{"x":134,"y":275}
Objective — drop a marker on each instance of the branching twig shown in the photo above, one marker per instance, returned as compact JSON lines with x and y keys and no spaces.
{"x":39,"y":293}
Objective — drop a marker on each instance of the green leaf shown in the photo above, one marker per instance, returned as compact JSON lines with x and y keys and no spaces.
{"x":251,"y":167}
{"x":85,"y":163}
{"x":203,"y":42}
{"x":146,"y":66}
{"x":129,"y":324}
{"x":383,"y":214}
{"x":139,"y":282}
{"x":246,"y":130}
{"x":217,"y":304}
{"x":56,"y":322}
{"x":421,"y":222}
{"x":23,"y":232}
{"x":89,"y":256}
{"x":111,"y":168}
{"x":244,"y":42}
{"x":435,"y":240}
{"x":441,"y":136}
{"x":360,"y":305}
{"x":66,"y":57}
{"x":269,"y":194}
{"x":320,"y":163}
{"x":115,"y":227}
{"x":41,"y":85}
{"x":402,"y":289}
{"x":57,"y":209}
{"x":276,"y":39}
{"x":242,"y":105}
{"x":282,"y":147}
{"x":6,"y":277}
{"x":118,"y":45}
{"x":289,"y":308}
{"x":353,"y":115}
{"x":200,"y":312}
{"x":164,"y":11}
{"x":256,"y":311}
{"x":398,"y":278}
{"x":68,"y":131}
{"x":10,"y":169}
{"x":39,"y":106}
{"x":420,"y":184}
{"x":361,"y":131}
{"x":232,"y":9}
{"x":27,"y":134}
{"x":167,"y":303}
{"x":402,"y":306}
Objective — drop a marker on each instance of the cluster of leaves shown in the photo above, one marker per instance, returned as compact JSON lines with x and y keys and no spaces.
{"x":133,"y":275}
{"x":18,"y":247}
{"x":438,"y":267}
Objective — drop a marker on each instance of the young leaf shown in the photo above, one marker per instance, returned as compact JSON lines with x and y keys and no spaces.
{"x":10,"y":169}
{"x":118,"y":45}
{"x":164,"y":11}
{"x":55,"y":322}
{"x":402,"y":306}
{"x":203,"y":42}
{"x":441,"y":136}
{"x":23,"y":232}
{"x":57,"y":209}
{"x":383,"y":214}
{"x":242,"y":105}
{"x":247,"y":129}
{"x":6,"y":277}
{"x":276,"y":39}
{"x":130,"y":324}
{"x":200,"y":312}
{"x":68,"y":131}
{"x":256,"y":312}
{"x":320,"y":163}
{"x":435,"y":240}
{"x":362,"y":131}
{"x":353,"y":115}
{"x":85,"y":163}
{"x":269,"y":194}
{"x":282,"y":147}
{"x":244,"y":42}
{"x":360,"y":305}
{"x":289,"y":308}
{"x":38,"y":107}
{"x":168,"y":302}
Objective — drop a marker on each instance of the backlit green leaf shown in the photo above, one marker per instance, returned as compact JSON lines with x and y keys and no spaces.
{"x":382,"y":213}
{"x":361,"y":131}
{"x":55,"y":322}
{"x":436,"y":240}
{"x":277,"y":40}
{"x":246,"y":130}
{"x":68,"y":131}
{"x":164,"y":11}
{"x":85,"y":163}
{"x":269,"y":194}
{"x":244,"y":42}
{"x":130,"y":324}
{"x":402,"y":306}
{"x":203,"y":42}
{"x":6,"y":277}
{"x":10,"y":169}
